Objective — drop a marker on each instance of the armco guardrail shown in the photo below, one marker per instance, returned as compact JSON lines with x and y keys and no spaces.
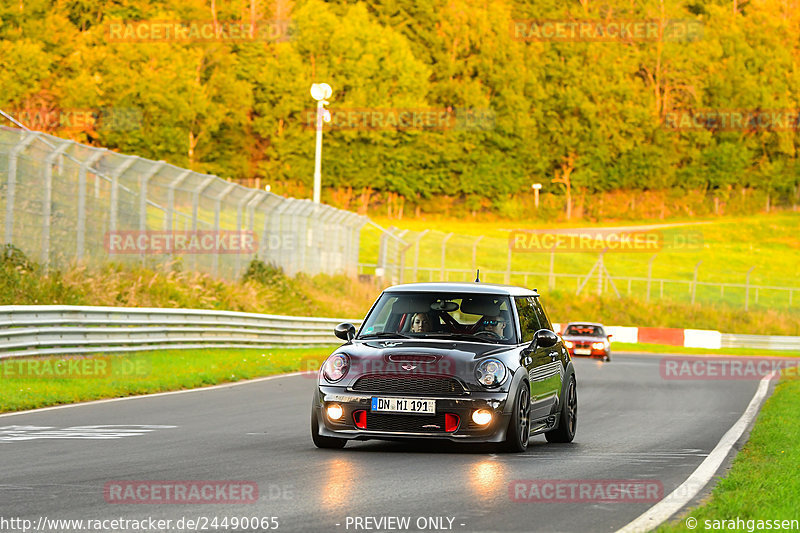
{"x":30,"y":330}
{"x":769,"y":342}
{"x":62,"y":329}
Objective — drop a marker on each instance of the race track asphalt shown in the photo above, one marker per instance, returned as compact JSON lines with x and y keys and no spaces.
{"x":633,"y":425}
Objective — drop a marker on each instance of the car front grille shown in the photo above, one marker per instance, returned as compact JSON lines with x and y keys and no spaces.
{"x":406,"y":423}
{"x":423,"y":385}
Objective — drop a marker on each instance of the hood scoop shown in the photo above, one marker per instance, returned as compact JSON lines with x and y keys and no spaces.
{"x":413,"y":358}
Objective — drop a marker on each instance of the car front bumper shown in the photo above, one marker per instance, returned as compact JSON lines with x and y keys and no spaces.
{"x":412,"y":426}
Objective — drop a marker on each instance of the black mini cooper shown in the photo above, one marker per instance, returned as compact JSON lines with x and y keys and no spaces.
{"x":470,"y":362}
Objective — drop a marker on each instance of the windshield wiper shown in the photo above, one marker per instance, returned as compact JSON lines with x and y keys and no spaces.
{"x":384,"y":334}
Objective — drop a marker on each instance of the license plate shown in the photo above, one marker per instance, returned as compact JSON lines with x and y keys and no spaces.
{"x":582,"y":351}
{"x":403,"y":405}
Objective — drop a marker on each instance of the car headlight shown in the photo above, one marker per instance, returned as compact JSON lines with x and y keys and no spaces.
{"x":336,"y":367}
{"x":491,"y":373}
{"x":568,"y":344}
{"x":598,"y":345}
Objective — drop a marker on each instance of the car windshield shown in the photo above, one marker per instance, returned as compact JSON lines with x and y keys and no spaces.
{"x":478,"y":317}
{"x":584,"y":330}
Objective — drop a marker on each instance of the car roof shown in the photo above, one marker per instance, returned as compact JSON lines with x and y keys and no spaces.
{"x":585,"y":324}
{"x":463,"y":287}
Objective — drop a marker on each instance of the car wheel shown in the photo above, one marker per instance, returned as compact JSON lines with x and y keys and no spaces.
{"x":321,"y":441}
{"x":568,"y":418}
{"x":519,"y":429}
{"x":607,"y":358}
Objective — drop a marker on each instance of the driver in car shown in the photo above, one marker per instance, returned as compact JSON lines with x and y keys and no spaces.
{"x":495,"y":324}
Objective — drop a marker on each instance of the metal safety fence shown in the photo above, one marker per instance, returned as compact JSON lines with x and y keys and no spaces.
{"x":682,"y":276}
{"x":66,"y":203}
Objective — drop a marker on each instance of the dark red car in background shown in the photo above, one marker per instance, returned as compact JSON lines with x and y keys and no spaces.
{"x":587,"y":338}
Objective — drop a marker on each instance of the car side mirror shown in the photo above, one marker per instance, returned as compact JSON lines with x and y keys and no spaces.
{"x":345,"y":331}
{"x":609,"y":336}
{"x":544,"y":338}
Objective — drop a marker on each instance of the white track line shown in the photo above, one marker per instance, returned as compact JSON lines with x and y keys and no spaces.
{"x":143,"y":396}
{"x":671,"y":504}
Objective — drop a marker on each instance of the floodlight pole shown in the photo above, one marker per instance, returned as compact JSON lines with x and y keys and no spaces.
{"x":318,"y":156}
{"x":320,"y":92}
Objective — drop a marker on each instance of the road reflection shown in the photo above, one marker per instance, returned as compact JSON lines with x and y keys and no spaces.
{"x":337,"y":487}
{"x":487,"y":479}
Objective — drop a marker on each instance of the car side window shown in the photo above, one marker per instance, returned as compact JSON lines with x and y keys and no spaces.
{"x":544,"y":321}
{"x":528,"y":319}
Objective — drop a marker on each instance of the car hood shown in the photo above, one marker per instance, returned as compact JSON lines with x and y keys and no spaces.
{"x":410,"y":358}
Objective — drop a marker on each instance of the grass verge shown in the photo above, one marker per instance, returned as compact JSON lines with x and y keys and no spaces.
{"x":763,"y":483}
{"x":30,"y":383}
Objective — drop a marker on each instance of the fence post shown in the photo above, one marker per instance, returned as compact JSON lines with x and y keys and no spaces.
{"x":85,"y":166}
{"x":747,"y":289}
{"x":416,"y":253}
{"x":475,"y":254}
{"x":47,"y":201}
{"x":114,"y":207}
{"x":12,"y":181}
{"x":600,"y":272}
{"x":171,"y":198}
{"x":245,"y":199}
{"x":694,"y":281}
{"x":196,"y":199}
{"x":508,"y":267}
{"x":650,"y":274}
{"x":217,"y":207}
{"x":143,"y":194}
{"x":444,"y":248}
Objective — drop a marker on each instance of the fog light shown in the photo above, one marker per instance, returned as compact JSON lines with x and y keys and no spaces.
{"x":482,"y":417}
{"x":335,"y":411}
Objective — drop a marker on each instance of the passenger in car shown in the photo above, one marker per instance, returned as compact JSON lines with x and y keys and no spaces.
{"x":420,"y":323}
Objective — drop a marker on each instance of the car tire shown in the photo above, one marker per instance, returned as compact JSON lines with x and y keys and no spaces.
{"x":321,"y":441}
{"x":568,"y":416}
{"x":519,"y":427}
